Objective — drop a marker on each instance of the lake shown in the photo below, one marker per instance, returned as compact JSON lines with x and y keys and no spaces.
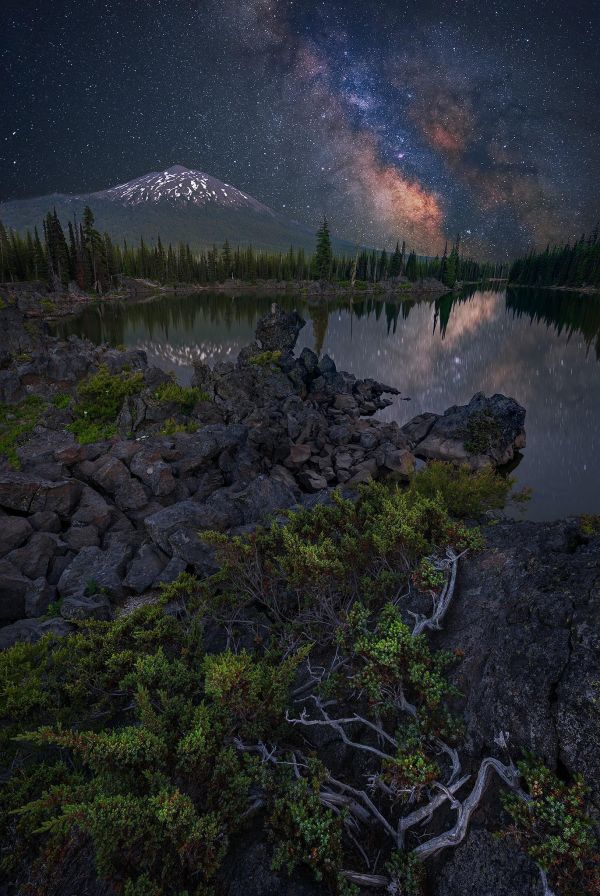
{"x":541,"y":347}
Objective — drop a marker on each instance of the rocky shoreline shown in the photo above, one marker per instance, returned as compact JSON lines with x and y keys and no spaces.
{"x":86,"y":527}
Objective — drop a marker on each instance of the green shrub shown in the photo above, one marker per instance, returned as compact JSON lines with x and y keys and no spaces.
{"x":144,"y":727}
{"x":483,"y":431}
{"x":308,"y":833}
{"x":465,"y":493}
{"x":171,"y":427}
{"x":62,"y":400}
{"x":266,"y":359}
{"x":554,"y":829}
{"x":48,"y":306}
{"x":185,"y":396}
{"x":99,"y":401}
{"x":17,"y":422}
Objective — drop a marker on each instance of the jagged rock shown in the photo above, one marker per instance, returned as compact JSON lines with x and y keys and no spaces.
{"x":311,"y":480}
{"x":95,"y":567}
{"x":298,"y":455}
{"x":14,"y":531}
{"x":485,"y":865}
{"x":45,"y":521}
{"x":525,"y":616}
{"x":78,"y":537}
{"x":96,"y":606}
{"x":263,"y":497}
{"x":31,"y":630}
{"x":28,"y":494}
{"x":187,"y":515}
{"x":145,"y":568}
{"x":13,"y":588}
{"x":34,"y":558}
{"x":278,"y":330}
{"x":149,"y":466}
{"x":172,"y":570}
{"x":93,"y":511}
{"x":486,"y":431}
{"x":38,"y":597}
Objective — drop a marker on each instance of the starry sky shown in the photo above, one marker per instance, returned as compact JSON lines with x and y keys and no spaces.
{"x":414,"y":120}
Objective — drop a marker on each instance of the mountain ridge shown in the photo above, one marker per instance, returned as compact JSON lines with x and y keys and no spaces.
{"x":178,"y":204}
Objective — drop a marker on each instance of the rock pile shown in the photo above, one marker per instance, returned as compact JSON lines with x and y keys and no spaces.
{"x":83,"y":527}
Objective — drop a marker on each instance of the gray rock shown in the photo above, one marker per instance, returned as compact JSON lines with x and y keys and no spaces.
{"x":14,"y":531}
{"x":13,"y":588}
{"x":92,"y":511}
{"x":78,"y":537}
{"x":31,"y":630}
{"x":486,"y":431}
{"x":145,"y":568}
{"x":96,"y":606}
{"x":92,"y":565}
{"x":484,"y":865}
{"x":34,"y":558}
{"x":29,"y":494}
{"x":187,"y":515}
{"x":45,"y":521}
{"x":172,"y":570}
{"x":149,"y":466}
{"x":312,"y":481}
{"x":278,"y":330}
{"x":38,"y":597}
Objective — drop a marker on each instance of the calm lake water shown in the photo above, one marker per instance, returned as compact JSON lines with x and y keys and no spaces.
{"x":540,"y":347}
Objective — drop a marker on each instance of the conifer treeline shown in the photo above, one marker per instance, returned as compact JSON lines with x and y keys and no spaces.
{"x":576,"y":265}
{"x":94,"y":262}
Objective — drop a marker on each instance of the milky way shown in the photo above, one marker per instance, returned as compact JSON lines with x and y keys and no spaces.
{"x":412,"y":120}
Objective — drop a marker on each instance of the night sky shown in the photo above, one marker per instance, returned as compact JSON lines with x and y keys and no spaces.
{"x":397,"y":119}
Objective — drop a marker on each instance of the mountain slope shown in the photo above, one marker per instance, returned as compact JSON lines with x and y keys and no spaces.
{"x":181,"y":205}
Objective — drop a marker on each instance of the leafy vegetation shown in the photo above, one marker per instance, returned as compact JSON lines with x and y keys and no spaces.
{"x":185,"y":396}
{"x":17,"y":422}
{"x":553,"y":827}
{"x":99,"y":401}
{"x":266,"y":359}
{"x":131,"y":744}
{"x":465,"y":493}
{"x":482,"y":433}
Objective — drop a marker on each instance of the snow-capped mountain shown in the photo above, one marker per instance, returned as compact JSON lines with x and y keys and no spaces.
{"x":182,"y":205}
{"x":180,"y":185}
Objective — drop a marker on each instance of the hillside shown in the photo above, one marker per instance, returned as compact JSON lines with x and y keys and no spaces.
{"x":180,"y":205}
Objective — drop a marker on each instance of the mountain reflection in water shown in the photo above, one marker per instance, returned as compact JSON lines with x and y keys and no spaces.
{"x":540,"y":347}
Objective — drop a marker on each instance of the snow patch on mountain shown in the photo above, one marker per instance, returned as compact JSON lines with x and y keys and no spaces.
{"x":180,"y":186}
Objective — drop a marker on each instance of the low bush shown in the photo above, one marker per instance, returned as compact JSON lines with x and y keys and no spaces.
{"x":17,"y":422}
{"x":99,"y":401}
{"x":553,"y":827}
{"x":185,"y":396}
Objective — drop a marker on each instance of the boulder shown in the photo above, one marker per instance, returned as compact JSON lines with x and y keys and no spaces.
{"x":31,"y":630}
{"x":145,"y":568}
{"x":151,"y":469}
{"x":278,"y":330}
{"x":14,"y":531}
{"x":485,"y":431}
{"x":13,"y":588}
{"x":29,"y":494}
{"x":94,"y":568}
{"x":311,"y":481}
{"x":94,"y":606}
{"x":38,"y":597}
{"x":484,"y":865}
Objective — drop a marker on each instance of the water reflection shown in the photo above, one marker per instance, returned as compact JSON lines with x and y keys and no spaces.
{"x":542,"y":348}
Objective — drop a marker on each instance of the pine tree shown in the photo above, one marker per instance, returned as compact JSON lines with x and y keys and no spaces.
{"x":323,"y":255}
{"x":396,"y":263}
